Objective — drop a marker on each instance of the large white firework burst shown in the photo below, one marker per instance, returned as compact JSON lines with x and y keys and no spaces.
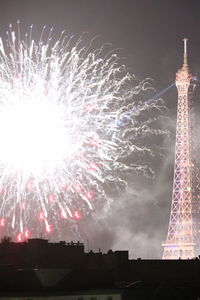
{"x":71,"y":123}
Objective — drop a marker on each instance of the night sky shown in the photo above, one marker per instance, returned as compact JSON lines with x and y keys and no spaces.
{"x":149,"y":35}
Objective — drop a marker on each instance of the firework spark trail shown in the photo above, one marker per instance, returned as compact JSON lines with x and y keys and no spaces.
{"x":64,"y":141}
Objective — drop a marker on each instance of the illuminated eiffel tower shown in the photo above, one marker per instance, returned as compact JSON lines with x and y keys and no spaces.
{"x":183,"y":231}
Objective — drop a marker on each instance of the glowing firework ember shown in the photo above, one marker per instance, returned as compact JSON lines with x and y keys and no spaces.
{"x":69,"y":122}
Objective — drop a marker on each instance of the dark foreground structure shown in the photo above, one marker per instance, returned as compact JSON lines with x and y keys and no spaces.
{"x":37,"y":269}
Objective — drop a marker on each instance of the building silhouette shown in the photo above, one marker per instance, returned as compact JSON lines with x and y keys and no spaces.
{"x":38,"y":269}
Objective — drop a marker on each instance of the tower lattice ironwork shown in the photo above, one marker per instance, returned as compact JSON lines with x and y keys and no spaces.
{"x":182,"y":238}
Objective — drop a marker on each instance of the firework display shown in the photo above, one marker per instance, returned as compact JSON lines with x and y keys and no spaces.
{"x":72,"y":119}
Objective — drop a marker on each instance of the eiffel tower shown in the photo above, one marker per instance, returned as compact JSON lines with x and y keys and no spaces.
{"x":183,"y":231}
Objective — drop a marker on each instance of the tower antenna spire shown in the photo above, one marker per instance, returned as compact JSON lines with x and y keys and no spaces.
{"x":185,"y":64}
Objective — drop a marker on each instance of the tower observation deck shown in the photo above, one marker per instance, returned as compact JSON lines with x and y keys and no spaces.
{"x":183,"y":232}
